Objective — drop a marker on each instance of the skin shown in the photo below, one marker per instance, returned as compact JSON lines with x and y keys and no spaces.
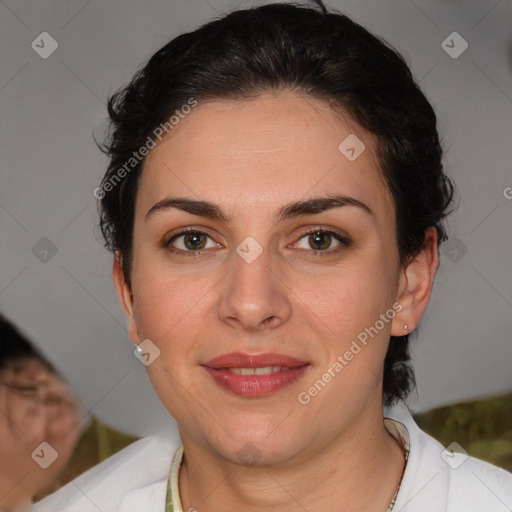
{"x":26,"y":422}
{"x":251,"y":158}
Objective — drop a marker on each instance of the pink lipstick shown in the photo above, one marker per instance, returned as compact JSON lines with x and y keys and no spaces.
{"x":255,"y":375}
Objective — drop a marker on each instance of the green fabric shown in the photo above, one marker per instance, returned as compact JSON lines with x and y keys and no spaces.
{"x":168,"y":502}
{"x":98,"y":442}
{"x":482,"y":427}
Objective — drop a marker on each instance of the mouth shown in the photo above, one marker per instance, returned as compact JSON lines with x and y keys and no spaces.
{"x":257,"y":375}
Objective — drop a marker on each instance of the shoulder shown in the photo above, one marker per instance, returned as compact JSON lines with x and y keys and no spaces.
{"x":139,"y":470}
{"x":481,"y":486}
{"x":437,"y":479}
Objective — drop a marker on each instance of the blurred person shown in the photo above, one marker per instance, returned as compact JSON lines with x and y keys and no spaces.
{"x":274,"y":201}
{"x":37,"y":407}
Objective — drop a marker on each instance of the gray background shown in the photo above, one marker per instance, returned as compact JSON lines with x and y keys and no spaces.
{"x":50,"y":167}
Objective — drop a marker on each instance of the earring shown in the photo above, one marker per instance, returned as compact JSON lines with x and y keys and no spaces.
{"x":406,"y":327}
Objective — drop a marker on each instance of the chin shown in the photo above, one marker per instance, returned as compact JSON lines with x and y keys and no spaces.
{"x":258,"y":450}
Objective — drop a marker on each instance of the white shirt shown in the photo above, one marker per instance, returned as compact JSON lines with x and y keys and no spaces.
{"x":435,"y":480}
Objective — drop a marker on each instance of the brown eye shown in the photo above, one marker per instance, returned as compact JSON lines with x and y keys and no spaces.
{"x":321,"y":241}
{"x":189,"y":241}
{"x":194,"y":241}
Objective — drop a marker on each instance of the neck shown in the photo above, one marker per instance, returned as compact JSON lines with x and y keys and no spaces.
{"x":357,"y":471}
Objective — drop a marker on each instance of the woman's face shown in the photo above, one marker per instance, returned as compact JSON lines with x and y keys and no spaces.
{"x":263,"y":284}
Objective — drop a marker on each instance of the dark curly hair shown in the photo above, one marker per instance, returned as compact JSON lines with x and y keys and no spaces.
{"x":304,"y":49}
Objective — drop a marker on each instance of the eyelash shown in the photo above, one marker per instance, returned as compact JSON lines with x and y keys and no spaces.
{"x":344,"y":241}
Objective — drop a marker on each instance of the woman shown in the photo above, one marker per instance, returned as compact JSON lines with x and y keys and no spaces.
{"x":274,"y":200}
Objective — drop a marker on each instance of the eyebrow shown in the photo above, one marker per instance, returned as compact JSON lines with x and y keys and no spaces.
{"x":288,"y":211}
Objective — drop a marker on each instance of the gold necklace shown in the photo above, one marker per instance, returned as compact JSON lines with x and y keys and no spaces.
{"x":393,"y":501}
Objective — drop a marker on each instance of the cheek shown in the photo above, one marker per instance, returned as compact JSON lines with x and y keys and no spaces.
{"x":165,"y":314}
{"x":159,"y":297}
{"x":349,"y":302}
{"x":349,"y":297}
{"x":169,"y":311}
{"x":161,"y":312}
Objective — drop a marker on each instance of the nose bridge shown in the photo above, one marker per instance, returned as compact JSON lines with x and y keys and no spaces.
{"x":254,"y":296}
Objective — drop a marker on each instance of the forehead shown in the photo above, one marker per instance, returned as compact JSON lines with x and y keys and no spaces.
{"x":266,"y":150}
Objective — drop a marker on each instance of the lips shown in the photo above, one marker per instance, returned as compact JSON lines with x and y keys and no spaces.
{"x":255,"y":375}
{"x":241,"y":360}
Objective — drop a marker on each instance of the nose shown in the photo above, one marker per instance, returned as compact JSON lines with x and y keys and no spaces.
{"x":255,"y":296}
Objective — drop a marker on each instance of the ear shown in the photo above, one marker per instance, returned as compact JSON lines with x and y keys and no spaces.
{"x":415,"y":287}
{"x":125,"y":297}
